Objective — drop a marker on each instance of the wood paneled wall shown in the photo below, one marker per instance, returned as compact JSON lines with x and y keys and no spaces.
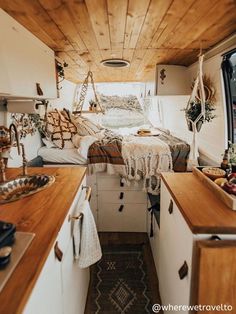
{"x":144,"y":32}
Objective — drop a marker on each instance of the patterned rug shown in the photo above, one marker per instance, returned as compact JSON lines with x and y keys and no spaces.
{"x":120,"y":283}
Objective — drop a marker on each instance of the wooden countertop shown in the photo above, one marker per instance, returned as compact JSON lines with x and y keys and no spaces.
{"x":43,"y":214}
{"x":202,"y":210}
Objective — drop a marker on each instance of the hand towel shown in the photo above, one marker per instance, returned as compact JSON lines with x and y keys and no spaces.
{"x":87,"y":245}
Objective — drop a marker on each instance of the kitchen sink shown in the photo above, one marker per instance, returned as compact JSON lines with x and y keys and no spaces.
{"x":24,"y":186}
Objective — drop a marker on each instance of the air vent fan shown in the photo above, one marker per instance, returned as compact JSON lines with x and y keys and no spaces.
{"x":115,"y":63}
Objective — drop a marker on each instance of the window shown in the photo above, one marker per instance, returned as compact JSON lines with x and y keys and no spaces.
{"x":229,"y":74}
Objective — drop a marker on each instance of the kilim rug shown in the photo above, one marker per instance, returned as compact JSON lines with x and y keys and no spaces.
{"x":120,"y":283}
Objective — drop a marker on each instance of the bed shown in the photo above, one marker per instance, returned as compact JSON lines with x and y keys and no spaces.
{"x":179,"y":151}
{"x":77,"y":140}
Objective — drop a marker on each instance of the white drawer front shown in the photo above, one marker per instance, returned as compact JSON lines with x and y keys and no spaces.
{"x":132,"y":218}
{"x":154,"y":241}
{"x":122,"y":197}
{"x":176,"y":243}
{"x":112,"y":182}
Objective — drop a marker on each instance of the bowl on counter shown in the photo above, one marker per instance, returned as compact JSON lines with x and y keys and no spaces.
{"x":213,"y":172}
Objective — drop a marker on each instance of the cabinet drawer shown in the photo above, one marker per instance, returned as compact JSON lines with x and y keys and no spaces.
{"x":122,"y":197}
{"x":176,"y":243}
{"x":46,"y":295}
{"x":154,"y":241}
{"x":112,"y":182}
{"x":132,"y":218}
{"x":65,"y":232}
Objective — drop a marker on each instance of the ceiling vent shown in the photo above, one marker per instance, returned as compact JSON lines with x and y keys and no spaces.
{"x":115,"y":63}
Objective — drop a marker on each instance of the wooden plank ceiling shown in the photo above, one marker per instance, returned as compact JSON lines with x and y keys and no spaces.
{"x":144,"y":32}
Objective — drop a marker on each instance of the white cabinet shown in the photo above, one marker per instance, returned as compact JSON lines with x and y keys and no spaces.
{"x":75,"y":283}
{"x":62,"y":286}
{"x":122,"y":217}
{"x":24,"y":61}
{"x":121,"y":208}
{"x":172,"y":80}
{"x":175,"y":245}
{"x":174,"y":251}
{"x":154,"y":240}
{"x":47,"y":293}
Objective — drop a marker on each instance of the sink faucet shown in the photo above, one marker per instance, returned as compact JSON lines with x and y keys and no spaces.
{"x":12,"y":128}
{"x":2,"y":170}
{"x":24,"y":160}
{"x":6,"y":141}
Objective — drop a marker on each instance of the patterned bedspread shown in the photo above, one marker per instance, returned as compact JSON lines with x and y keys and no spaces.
{"x":106,"y":155}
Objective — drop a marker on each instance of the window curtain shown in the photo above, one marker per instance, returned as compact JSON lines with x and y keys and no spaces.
{"x":227,"y":71}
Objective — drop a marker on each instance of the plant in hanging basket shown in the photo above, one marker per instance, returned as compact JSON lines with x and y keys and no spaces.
{"x":193,"y":111}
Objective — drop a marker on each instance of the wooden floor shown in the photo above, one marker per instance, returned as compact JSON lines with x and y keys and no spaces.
{"x":109,"y":238}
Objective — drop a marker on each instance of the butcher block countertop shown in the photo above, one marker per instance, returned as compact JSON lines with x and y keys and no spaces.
{"x":43,"y":214}
{"x":202,"y":210}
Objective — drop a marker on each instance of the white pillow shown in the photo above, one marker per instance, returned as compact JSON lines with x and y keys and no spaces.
{"x":48,"y":143}
{"x":83,"y":143}
{"x":76,"y":140}
{"x":85,"y":126}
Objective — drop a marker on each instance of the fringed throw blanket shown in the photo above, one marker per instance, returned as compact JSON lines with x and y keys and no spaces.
{"x":105,"y":155}
{"x":138,"y":158}
{"x":145,"y":158}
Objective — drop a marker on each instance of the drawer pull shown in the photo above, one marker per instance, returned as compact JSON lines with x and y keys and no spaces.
{"x":121,"y":195}
{"x":39,"y":89}
{"x":183,"y":271}
{"x":170,"y":209}
{"x":215,"y":238}
{"x":121,"y":208}
{"x":121,"y":183}
{"x":58,"y":252}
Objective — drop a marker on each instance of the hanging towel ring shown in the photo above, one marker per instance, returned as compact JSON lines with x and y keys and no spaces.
{"x":78,"y":107}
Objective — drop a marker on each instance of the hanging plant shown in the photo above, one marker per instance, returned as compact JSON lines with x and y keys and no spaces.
{"x":194,"y":109}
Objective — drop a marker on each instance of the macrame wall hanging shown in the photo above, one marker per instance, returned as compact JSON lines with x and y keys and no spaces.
{"x":197,"y":92}
{"x":80,"y":95}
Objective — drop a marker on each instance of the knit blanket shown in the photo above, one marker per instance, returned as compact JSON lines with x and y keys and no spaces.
{"x":145,"y":159}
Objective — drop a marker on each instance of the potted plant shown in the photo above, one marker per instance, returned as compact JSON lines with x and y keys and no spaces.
{"x":193,"y":111}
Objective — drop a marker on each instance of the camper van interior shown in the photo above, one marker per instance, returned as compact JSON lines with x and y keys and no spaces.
{"x":117,"y":156}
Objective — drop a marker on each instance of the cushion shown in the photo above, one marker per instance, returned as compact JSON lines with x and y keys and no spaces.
{"x":48,"y":143}
{"x":60,"y":129}
{"x":83,"y":143}
{"x":85,"y":126}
